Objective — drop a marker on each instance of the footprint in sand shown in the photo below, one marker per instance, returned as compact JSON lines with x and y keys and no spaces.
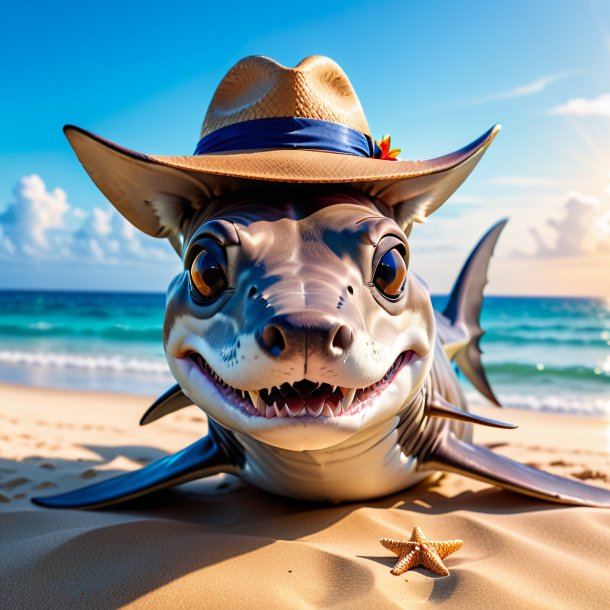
{"x":89,"y":474}
{"x":535,"y":465}
{"x":14,"y":483}
{"x":45,"y":485}
{"x":589,"y":474}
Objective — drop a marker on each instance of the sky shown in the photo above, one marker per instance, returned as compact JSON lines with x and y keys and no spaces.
{"x":433,"y":74}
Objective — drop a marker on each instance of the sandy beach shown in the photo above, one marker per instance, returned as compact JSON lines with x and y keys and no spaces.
{"x":220,"y":543}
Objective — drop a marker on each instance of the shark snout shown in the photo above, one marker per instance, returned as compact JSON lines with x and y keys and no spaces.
{"x":305,"y":333}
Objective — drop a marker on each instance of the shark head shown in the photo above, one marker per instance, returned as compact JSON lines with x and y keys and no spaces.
{"x":295,"y":319}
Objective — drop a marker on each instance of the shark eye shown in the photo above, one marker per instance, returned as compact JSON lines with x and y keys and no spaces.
{"x":207,"y":276}
{"x":391,"y":274}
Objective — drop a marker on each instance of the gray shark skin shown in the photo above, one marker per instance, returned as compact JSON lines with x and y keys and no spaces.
{"x":314,"y":350}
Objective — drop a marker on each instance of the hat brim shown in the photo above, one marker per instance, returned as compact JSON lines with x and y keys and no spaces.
{"x":130,"y":179}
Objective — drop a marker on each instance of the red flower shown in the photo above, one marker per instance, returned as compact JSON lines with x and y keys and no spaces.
{"x":387,"y":154}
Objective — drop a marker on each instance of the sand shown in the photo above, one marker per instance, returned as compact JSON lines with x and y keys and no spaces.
{"x":223,"y":544}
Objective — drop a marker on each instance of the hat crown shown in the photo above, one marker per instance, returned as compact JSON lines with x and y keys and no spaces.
{"x":258,"y":87}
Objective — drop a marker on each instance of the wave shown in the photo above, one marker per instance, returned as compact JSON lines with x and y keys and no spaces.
{"x":595,"y":406}
{"x":575,"y":325}
{"x":153,"y":333}
{"x":155,"y":370}
{"x":116,"y":332}
{"x":119,"y":364}
{"x":494,"y":337}
{"x":58,"y":359}
{"x":528,"y":371}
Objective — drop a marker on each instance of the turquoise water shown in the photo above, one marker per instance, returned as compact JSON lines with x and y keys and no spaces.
{"x":539,"y":353}
{"x":547,"y":353}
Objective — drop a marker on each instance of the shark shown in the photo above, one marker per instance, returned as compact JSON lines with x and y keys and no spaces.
{"x":298,"y":322}
{"x":299,"y":328}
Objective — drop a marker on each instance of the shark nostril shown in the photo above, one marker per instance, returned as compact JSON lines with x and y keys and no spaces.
{"x":273,"y":339}
{"x":343,"y":338}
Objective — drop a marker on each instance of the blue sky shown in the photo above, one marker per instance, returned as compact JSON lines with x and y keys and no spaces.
{"x":434,"y":75}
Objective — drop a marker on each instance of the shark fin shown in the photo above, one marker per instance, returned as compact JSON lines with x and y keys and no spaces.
{"x":439,"y":407}
{"x":453,"y":455}
{"x":217,"y":452}
{"x":170,"y":401}
{"x":464,"y":309}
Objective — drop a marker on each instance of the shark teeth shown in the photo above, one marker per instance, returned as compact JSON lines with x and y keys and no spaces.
{"x":294,"y":410}
{"x":348,"y":398}
{"x":261,"y":405}
{"x":337,"y":409}
{"x":253,"y":394}
{"x":280,"y":411}
{"x":303,"y":398}
{"x":338,"y":403}
{"x":315,"y":406}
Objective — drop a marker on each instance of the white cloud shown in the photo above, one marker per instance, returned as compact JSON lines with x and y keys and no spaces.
{"x":78,"y":213}
{"x":34,"y":227}
{"x":523,"y":181}
{"x":580,"y":106}
{"x":536,"y":86}
{"x":32,"y":219}
{"x":582,"y":229}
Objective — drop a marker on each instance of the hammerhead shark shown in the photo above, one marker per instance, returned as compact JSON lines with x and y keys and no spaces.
{"x":297,"y":323}
{"x":300,"y":329}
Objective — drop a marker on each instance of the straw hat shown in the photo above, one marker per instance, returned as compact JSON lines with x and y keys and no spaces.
{"x":270,"y":123}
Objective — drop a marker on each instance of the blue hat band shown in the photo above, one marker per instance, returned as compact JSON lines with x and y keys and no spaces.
{"x":288,"y":133}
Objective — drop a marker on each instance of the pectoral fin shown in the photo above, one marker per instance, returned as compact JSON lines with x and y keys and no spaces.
{"x":439,"y":407}
{"x":453,"y":455}
{"x":170,"y":401}
{"x":217,"y":452}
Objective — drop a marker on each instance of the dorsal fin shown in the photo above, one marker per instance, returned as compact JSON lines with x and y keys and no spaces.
{"x":170,"y":401}
{"x":464,"y":309}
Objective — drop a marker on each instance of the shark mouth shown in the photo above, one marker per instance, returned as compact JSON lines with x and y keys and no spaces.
{"x":303,"y":398}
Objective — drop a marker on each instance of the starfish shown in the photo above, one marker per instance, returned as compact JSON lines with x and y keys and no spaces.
{"x":419,"y":551}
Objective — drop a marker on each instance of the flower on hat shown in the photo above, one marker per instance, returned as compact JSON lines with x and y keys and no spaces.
{"x":385,"y":152}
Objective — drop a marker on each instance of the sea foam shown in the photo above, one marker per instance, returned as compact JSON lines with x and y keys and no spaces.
{"x":119,"y":364}
{"x":552,"y":403}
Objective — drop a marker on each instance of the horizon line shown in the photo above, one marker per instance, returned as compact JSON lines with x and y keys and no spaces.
{"x":162,"y":293}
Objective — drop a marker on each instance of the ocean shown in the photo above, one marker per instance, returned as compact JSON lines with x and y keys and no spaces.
{"x":549,"y":354}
